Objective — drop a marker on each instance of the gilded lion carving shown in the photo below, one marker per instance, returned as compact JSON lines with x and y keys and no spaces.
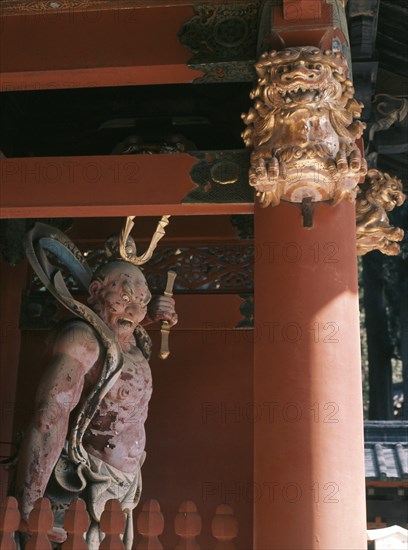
{"x":303,"y":128}
{"x":380,"y":193}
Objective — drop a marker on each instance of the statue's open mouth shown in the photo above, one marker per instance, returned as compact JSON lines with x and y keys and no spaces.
{"x":125,"y":323}
{"x":297,"y":94}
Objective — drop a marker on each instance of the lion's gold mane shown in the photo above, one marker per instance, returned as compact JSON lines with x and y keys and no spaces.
{"x":341,"y":107}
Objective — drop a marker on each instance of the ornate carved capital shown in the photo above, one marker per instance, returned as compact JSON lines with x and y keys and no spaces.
{"x":302,"y":128}
{"x":380,"y":193}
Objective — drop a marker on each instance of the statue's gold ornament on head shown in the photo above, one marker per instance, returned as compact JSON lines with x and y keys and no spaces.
{"x":129,"y":255}
{"x":302,"y":128}
{"x":380,"y":193}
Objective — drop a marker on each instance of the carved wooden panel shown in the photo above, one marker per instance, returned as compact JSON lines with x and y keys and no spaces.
{"x":215,"y":268}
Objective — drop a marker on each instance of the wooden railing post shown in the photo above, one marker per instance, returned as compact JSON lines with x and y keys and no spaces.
{"x":113,"y":523}
{"x":150,"y":524}
{"x":40,"y":521}
{"x":187,"y":526}
{"x":76,"y":523}
{"x":9,"y":520}
{"x":224,"y":527}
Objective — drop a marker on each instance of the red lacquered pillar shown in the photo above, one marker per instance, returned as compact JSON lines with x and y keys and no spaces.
{"x":309,"y":490}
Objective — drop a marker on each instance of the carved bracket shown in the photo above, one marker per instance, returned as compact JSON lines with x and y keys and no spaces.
{"x":380,"y":193}
{"x":222,"y":38}
{"x":302,"y":128}
{"x":221,"y":32}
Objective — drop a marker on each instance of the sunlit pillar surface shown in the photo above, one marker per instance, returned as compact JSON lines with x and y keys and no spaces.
{"x":308,"y":444}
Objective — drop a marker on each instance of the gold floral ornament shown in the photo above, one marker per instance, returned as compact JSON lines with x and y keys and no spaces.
{"x":380,"y":193}
{"x":302,"y":128}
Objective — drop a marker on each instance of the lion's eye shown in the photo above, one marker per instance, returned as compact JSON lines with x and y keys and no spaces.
{"x":125,"y":298}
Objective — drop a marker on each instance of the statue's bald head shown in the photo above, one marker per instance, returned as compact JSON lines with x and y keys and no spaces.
{"x":112,"y":269}
{"x":123,"y":274}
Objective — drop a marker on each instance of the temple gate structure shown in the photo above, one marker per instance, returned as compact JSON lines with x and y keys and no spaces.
{"x":137,"y":108}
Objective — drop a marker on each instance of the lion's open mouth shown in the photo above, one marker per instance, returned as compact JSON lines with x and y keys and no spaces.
{"x":300,"y":94}
{"x":398,"y":198}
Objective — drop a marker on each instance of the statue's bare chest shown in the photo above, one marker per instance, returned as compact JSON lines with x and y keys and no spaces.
{"x":127,"y":401}
{"x":133,"y":385}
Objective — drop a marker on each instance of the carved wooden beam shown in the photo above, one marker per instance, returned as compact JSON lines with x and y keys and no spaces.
{"x":206,"y":183}
{"x":67,"y":44}
{"x":93,"y":43}
{"x":179,"y":42}
{"x":363,"y":18}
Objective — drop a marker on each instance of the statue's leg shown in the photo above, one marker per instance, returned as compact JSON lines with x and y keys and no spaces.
{"x":93,"y":536}
{"x":128,"y":535}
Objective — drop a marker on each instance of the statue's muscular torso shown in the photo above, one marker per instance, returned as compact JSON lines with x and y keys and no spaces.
{"x":116,"y":433}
